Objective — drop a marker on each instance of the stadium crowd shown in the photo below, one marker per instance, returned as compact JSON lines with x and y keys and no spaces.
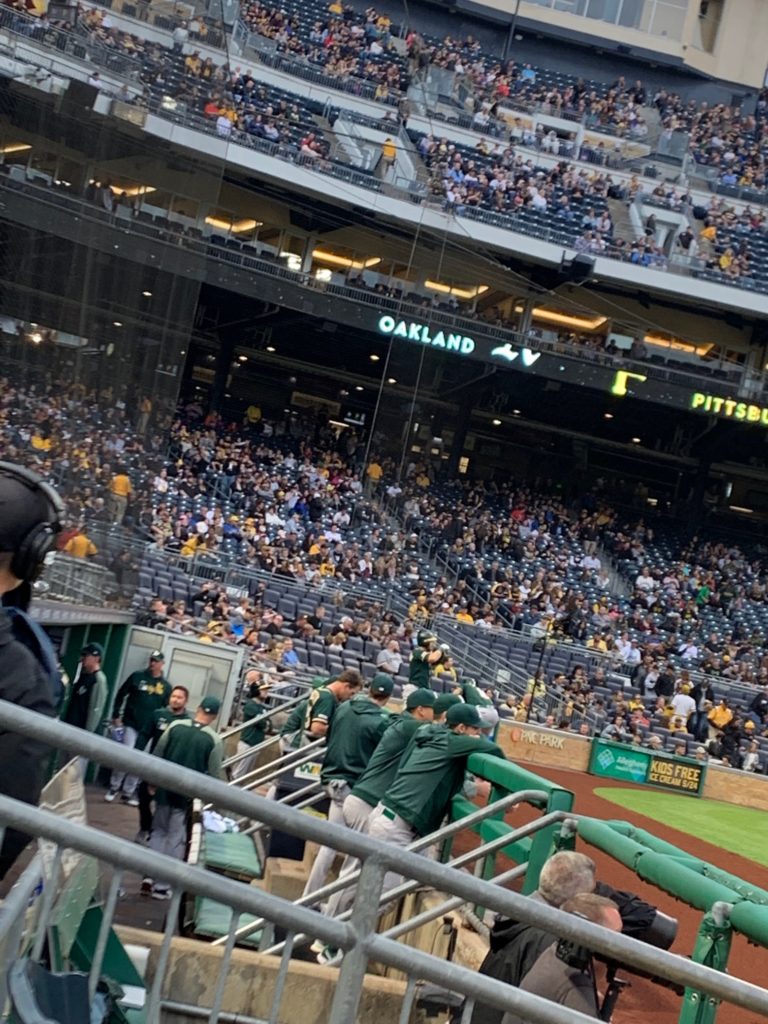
{"x":514,"y":558}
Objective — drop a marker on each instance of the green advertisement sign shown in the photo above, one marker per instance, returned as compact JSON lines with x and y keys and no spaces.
{"x":646,"y":768}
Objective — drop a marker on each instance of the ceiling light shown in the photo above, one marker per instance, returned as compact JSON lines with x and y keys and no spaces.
{"x":635,"y":440}
{"x":117,"y":323}
{"x":15,"y":147}
{"x":677,"y":345}
{"x":36,"y":337}
{"x":234,"y":226}
{"x":460,"y":293}
{"x":391,"y":380}
{"x":359,"y":387}
{"x":496,"y":423}
{"x":343,"y":393}
{"x":539,"y":313}
{"x":243,"y":359}
{"x":344,"y":261}
{"x":608,"y":415}
{"x":374,"y":358}
{"x":135,"y":190}
{"x":270,"y":348}
{"x":147,"y":295}
{"x":515,"y":412}
{"x":741,"y":508}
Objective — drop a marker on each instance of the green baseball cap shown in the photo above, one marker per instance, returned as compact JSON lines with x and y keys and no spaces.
{"x":463,"y":714}
{"x":382,"y":685}
{"x":445,"y":701}
{"x":210,"y":705}
{"x":421,"y":698}
{"x":95,"y":649}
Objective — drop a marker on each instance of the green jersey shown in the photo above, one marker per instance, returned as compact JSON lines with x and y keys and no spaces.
{"x":419,"y":668}
{"x":358,"y":725}
{"x":431,"y":774}
{"x":474,"y":695}
{"x":156,"y":726}
{"x":190,"y":744}
{"x":139,"y":697}
{"x":383,"y":765}
{"x":254,"y":734}
{"x":319,"y":706}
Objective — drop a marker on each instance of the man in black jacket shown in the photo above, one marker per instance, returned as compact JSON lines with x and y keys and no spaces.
{"x":30,"y":517}
{"x":516,"y":946}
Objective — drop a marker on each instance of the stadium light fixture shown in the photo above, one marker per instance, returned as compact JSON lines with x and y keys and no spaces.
{"x":135,"y":190}
{"x":677,"y":345}
{"x":496,"y":423}
{"x":147,"y":294}
{"x":234,"y":226}
{"x":608,"y":415}
{"x":359,"y":387}
{"x":345,"y":261}
{"x":374,"y":358}
{"x":550,"y":315}
{"x":15,"y":147}
{"x":391,"y":380}
{"x":270,"y":348}
{"x":635,"y":440}
{"x":459,"y":293}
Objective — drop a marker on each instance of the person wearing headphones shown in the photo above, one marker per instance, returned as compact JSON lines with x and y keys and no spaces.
{"x":31,"y":516}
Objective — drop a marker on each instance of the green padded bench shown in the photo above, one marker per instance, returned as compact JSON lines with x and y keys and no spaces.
{"x":211,"y":920}
{"x":232,"y":854}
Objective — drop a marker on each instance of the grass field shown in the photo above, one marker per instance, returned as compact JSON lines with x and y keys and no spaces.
{"x":739,"y":830}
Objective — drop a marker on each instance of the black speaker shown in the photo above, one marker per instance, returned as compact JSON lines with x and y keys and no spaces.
{"x":80,"y":96}
{"x":578,"y":270}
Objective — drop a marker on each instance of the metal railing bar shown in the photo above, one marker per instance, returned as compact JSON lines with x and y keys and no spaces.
{"x":345,"y":881}
{"x":466,"y":858}
{"x":290,"y":760}
{"x":13,"y":916}
{"x":408,"y":998}
{"x":221,"y":980}
{"x":104,"y":929}
{"x":249,"y":899}
{"x":365,"y":913}
{"x":50,"y":885}
{"x":155,"y":993}
{"x":453,"y":904}
{"x":260,"y":825}
{"x":282,"y":977}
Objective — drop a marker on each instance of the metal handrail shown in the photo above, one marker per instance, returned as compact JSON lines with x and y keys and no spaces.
{"x":378,"y":857}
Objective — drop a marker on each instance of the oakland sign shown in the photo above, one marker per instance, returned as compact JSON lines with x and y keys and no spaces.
{"x":412,"y":331}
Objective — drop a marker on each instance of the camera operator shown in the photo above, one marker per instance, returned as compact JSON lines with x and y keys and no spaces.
{"x":515,"y":945}
{"x":31,"y":515}
{"x":564,"y":973}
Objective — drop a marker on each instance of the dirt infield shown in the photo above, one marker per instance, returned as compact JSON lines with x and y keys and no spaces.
{"x":644,"y":1002}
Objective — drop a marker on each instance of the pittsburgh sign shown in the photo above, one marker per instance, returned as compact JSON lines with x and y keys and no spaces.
{"x":729,"y":408}
{"x":412,"y":331}
{"x":645,"y":768}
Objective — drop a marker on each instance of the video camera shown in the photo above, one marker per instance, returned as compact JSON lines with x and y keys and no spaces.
{"x":641,"y":921}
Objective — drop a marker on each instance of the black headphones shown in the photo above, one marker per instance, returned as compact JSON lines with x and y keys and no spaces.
{"x":29,"y":557}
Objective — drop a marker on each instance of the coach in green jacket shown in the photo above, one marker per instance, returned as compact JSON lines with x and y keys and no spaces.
{"x":191,"y":744}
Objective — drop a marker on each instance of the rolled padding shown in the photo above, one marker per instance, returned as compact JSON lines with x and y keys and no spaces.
{"x":604,"y":837}
{"x":751,"y":920}
{"x":675,"y":878}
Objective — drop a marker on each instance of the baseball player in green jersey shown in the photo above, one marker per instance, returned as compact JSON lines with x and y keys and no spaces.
{"x":378,"y":777}
{"x":358,"y":726}
{"x":311,"y":719}
{"x":254,"y":734}
{"x":430,"y":774}
{"x":424,"y":656}
{"x":191,"y":744}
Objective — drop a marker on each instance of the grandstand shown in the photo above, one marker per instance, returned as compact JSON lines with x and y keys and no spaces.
{"x":396,"y":319}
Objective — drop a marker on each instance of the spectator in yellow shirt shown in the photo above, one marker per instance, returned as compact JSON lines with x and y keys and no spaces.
{"x":373,"y":473}
{"x":80,"y":546}
{"x":120,"y":491}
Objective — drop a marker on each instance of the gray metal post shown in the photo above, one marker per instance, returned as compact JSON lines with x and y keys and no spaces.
{"x":365,"y":913}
